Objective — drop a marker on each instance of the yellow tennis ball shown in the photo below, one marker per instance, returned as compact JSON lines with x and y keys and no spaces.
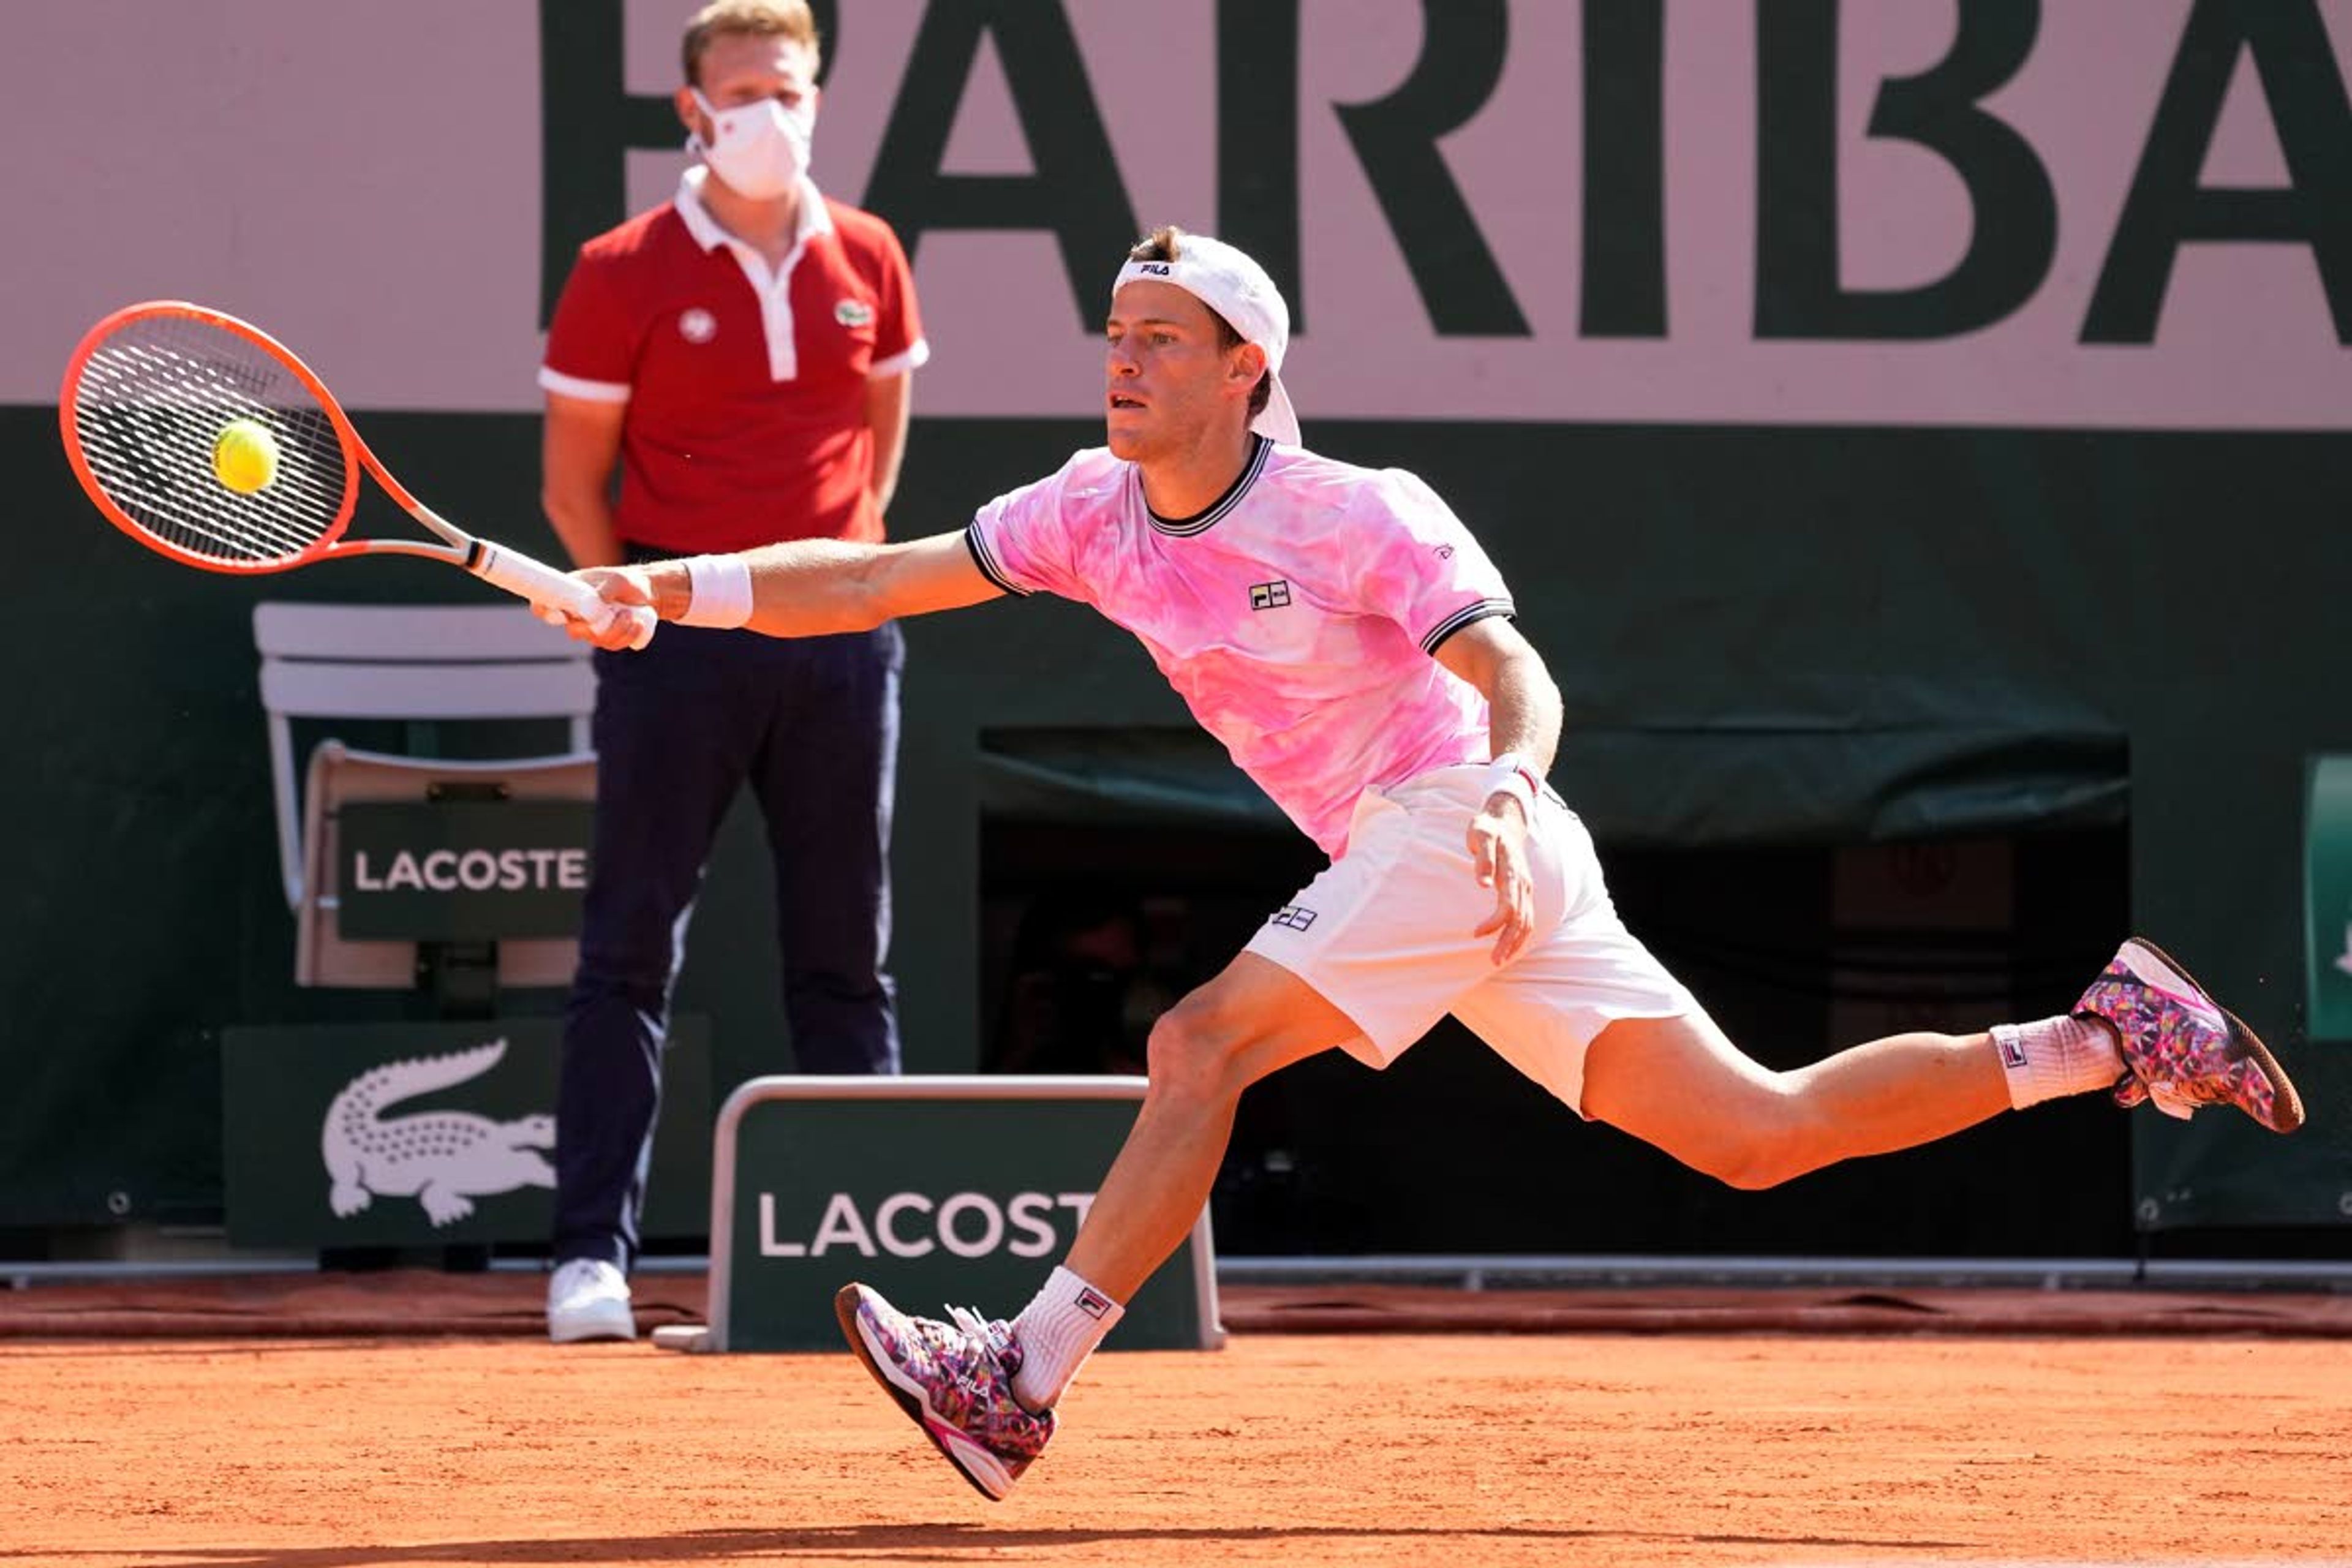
{"x":245,"y":456}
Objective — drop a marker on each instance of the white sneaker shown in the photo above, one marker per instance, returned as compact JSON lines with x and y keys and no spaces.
{"x":588,"y":1299}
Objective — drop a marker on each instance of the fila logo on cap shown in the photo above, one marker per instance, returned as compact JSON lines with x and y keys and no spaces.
{"x":697,"y":325}
{"x":1159,"y":270}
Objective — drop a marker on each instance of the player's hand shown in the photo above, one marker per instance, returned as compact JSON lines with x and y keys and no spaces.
{"x":1498,"y":850}
{"x":626,"y":587}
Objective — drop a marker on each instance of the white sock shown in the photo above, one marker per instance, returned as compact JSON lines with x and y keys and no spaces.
{"x":1057,"y":1331}
{"x":2056,"y":1056}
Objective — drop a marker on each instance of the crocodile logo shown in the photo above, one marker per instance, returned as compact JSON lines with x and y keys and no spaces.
{"x":442,"y":1159}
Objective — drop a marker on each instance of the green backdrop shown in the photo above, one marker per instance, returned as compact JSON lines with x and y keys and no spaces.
{"x":1765,"y":637}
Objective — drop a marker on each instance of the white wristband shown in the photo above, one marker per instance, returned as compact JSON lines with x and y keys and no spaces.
{"x":719,"y":592}
{"x":1509,"y":774}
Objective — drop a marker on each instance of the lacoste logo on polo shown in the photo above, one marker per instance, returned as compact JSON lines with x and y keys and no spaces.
{"x":1269,"y":595}
{"x":697,"y":325}
{"x":1092,"y":1302}
{"x":1292,"y":917}
{"x":853,"y":313}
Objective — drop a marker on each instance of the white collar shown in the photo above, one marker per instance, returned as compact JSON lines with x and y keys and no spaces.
{"x":706,"y":231}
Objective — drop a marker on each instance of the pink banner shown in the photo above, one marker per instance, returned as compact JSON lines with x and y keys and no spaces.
{"x":367,"y":179}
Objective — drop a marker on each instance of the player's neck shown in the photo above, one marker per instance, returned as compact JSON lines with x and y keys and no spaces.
{"x":1187,"y":482}
{"x":767,"y":226}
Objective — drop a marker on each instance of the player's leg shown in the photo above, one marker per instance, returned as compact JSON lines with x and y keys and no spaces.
{"x":1251,"y":1020}
{"x":824,"y":776}
{"x":2144,"y":1029}
{"x":1367,"y":956}
{"x":1589,"y":1013}
{"x":984,"y":1392}
{"x":670,"y":755}
{"x":1680,"y":1084}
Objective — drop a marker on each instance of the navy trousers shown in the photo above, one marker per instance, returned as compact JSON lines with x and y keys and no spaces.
{"x":812,"y":726}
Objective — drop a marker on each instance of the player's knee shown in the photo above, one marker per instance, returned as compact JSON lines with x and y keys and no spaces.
{"x":1754,"y":1171}
{"x":1189,"y":1054}
{"x":1750,"y":1141}
{"x":1768,"y":1151}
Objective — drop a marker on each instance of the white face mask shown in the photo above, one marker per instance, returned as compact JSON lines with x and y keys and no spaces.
{"x":761,"y":149}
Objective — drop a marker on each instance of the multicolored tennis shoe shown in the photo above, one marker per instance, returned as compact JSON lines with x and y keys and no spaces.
{"x":2181,"y":1048}
{"x":954,"y":1380}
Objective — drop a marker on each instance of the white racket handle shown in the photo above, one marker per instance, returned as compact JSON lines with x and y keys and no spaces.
{"x":527,"y":579}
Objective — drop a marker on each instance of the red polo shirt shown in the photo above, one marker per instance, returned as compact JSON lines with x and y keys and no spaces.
{"x":746,"y":387}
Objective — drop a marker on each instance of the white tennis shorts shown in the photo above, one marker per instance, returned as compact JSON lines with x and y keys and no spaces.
{"x":1384,"y":936}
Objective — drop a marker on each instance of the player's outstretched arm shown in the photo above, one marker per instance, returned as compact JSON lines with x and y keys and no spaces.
{"x":812,"y":587}
{"x":808,"y":588}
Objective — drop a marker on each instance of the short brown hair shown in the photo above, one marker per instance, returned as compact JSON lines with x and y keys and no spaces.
{"x":1166,"y":243}
{"x":754,"y":18}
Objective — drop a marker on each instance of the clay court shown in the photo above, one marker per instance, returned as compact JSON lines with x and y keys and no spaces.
{"x":2029,"y":1427}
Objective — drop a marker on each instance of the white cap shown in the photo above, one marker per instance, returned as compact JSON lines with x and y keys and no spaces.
{"x":1237,"y":288}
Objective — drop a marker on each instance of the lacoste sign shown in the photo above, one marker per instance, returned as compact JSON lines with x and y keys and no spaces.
{"x":473,"y":871}
{"x":916,"y":1225}
{"x":445,"y":1158}
{"x":461,"y":870}
{"x":930,"y":1188}
{"x":434,"y":1132}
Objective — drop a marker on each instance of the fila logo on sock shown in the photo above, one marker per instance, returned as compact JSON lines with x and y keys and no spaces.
{"x":1093,"y":1303}
{"x":2012,"y":1050}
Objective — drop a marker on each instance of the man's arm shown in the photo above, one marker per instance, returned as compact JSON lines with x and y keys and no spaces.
{"x":1523,"y":718}
{"x":582,"y":443}
{"x":1523,"y":705}
{"x":888,"y":399}
{"x":815,"y":586}
{"x":809,"y":587}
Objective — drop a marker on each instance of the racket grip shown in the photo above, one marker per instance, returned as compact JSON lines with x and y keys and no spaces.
{"x":527,"y":579}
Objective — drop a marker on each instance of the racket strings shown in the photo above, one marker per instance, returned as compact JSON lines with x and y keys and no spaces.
{"x":148,"y":455}
{"x":150,"y":404}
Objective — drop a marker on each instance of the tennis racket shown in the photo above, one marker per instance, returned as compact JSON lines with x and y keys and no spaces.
{"x":205,"y":439}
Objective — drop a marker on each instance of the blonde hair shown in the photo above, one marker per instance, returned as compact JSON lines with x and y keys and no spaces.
{"x":1166,"y":243}
{"x":754,"y":18}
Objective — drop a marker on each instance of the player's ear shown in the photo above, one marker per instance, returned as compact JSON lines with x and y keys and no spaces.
{"x":1247,"y":364}
{"x":689,"y":114}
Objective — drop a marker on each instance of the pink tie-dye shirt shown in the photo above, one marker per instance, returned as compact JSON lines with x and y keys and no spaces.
{"x":1297,"y":617}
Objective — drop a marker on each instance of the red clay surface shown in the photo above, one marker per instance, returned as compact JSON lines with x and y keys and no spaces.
{"x":1461,"y":1449}
{"x":413,"y":1302}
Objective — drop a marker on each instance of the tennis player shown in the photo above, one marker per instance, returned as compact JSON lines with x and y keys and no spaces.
{"x":1345,"y":637}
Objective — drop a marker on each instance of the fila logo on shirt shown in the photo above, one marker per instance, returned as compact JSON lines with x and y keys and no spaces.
{"x":1269,"y":595}
{"x":1291,"y":917}
{"x":697,"y":325}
